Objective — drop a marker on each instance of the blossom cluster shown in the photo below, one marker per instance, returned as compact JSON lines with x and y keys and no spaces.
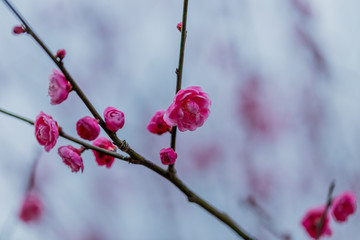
{"x":341,"y":208}
{"x":188,"y":111}
{"x":47,"y":130}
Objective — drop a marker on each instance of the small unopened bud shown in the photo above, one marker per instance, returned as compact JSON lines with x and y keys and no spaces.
{"x":88,"y":128}
{"x":179,"y":26}
{"x":167,"y":156}
{"x":18,"y":30}
{"x":60,"y":54}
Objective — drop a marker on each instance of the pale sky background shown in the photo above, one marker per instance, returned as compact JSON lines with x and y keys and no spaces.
{"x":302,"y":55}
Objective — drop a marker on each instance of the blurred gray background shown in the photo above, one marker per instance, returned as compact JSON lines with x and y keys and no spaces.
{"x":283,"y":77}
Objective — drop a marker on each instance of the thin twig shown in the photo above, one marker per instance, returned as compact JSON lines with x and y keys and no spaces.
{"x":134,"y":156}
{"x":323,"y":216}
{"x":179,"y":72}
{"x":17,"y":116}
{"x":265,"y":219}
{"x":73,"y":139}
{"x":192,"y":197}
{"x":75,"y":87}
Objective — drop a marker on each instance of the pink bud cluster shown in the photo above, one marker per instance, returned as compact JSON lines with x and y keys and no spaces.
{"x":47,"y":133}
{"x":188,"y":111}
{"x":341,"y":208}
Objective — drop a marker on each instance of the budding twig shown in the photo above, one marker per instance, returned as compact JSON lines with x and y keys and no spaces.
{"x":122,"y":145}
{"x":73,"y":139}
{"x":179,"y":72}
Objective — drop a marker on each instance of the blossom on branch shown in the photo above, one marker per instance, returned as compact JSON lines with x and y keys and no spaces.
{"x":71,"y":157}
{"x":114,"y":119}
{"x":189,"y":110}
{"x":59,"y":87}
{"x":312,"y":220}
{"x":168,"y":156}
{"x":157,"y":124}
{"x":60,"y":54}
{"x":88,"y":128}
{"x":19,"y":30}
{"x":101,"y":158}
{"x":343,"y":206}
{"x":31,"y":209}
{"x":46,"y":131}
{"x":179,"y":26}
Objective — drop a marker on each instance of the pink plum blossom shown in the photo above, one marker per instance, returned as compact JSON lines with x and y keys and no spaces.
{"x":59,"y":87}
{"x":179,"y":26}
{"x":103,"y":159}
{"x":311,"y":222}
{"x":46,"y":131}
{"x":88,"y":128}
{"x":343,"y":206}
{"x":19,"y":30}
{"x":168,"y":156}
{"x":60,"y":54}
{"x":189,"y":110}
{"x":157,"y":124}
{"x":31,"y":209}
{"x":114,"y":119}
{"x":71,"y":157}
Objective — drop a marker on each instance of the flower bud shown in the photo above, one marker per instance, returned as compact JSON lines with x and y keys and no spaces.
{"x":59,"y":87}
{"x":46,"y":131}
{"x":19,"y":30}
{"x":168,"y":156}
{"x":114,"y":119}
{"x":60,"y":54}
{"x":157,"y":124}
{"x":179,"y":26}
{"x":101,"y":158}
{"x":71,"y":157}
{"x":88,"y":128}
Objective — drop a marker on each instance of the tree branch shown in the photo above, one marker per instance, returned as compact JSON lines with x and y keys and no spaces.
{"x":122,"y":145}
